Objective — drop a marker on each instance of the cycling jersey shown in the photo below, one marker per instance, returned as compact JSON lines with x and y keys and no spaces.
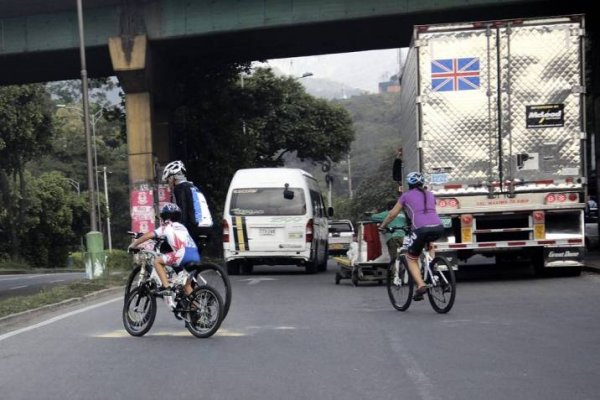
{"x":413,"y":202}
{"x":182,"y":244}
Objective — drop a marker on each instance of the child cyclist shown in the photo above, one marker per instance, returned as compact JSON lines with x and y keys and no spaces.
{"x":419,"y":206}
{"x":183,"y":247}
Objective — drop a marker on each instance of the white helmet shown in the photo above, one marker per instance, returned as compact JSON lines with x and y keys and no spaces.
{"x":173,"y":168}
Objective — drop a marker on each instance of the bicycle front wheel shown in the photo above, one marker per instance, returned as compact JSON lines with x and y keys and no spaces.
{"x":139,"y":311}
{"x":400,"y":285}
{"x":217,"y":278}
{"x":205,"y":312}
{"x":442,"y":285}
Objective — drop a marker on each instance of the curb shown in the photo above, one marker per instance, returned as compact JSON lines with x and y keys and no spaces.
{"x":8,"y":319}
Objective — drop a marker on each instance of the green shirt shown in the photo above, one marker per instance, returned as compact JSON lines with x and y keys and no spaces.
{"x":397,"y":222}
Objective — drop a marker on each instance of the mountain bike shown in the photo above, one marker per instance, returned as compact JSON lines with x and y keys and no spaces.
{"x":437,"y":273}
{"x":202,"y":309}
{"x":206,"y":272}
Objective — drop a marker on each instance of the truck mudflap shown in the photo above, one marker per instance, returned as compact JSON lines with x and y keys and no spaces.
{"x":564,"y":257}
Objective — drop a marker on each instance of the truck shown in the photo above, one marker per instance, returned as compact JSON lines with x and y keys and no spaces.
{"x":493,"y":114}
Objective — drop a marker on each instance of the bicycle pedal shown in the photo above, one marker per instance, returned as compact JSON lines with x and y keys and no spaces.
{"x":418,"y":297}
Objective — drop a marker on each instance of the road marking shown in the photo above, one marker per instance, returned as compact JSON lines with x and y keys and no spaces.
{"x":18,"y":287}
{"x":423,"y":384}
{"x":254,"y":281}
{"x":121,"y":333}
{"x":57,"y":318}
{"x":58,"y":280}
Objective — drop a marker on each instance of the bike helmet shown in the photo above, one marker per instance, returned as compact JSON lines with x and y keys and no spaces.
{"x":171,"y":212}
{"x":173,"y":168}
{"x":415,"y":179}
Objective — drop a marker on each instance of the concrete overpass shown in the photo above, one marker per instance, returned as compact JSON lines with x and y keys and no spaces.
{"x":138,"y":40}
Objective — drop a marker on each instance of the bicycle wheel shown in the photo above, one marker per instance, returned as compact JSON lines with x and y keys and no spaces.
{"x":134,"y":276}
{"x":442,"y":285}
{"x":139,"y":311}
{"x":205,"y":312}
{"x":400,"y":286}
{"x":216,"y":277}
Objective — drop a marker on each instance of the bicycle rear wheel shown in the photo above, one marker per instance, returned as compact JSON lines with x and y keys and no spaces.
{"x":139,"y":311}
{"x":442,"y":285}
{"x":205,"y":312}
{"x":217,"y":278}
{"x":400,"y":285}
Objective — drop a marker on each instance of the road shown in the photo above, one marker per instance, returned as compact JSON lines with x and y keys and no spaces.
{"x":295,"y":336}
{"x":22,"y":284}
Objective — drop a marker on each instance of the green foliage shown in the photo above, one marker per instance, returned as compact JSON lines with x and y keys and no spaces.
{"x":118,"y":260}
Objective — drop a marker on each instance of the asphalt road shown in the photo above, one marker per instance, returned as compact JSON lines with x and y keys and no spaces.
{"x":23,"y":284}
{"x":295,"y":336}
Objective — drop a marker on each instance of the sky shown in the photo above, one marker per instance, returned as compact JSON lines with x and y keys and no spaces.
{"x":360,"y":70}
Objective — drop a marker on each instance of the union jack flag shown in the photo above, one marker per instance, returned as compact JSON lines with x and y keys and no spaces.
{"x":455,"y":74}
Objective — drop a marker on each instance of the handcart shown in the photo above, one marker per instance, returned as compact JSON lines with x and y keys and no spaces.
{"x":367,"y":259}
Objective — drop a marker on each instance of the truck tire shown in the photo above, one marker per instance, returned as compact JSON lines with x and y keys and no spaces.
{"x":233,"y":267}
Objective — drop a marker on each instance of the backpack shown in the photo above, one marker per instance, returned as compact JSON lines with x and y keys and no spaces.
{"x":202,"y":215}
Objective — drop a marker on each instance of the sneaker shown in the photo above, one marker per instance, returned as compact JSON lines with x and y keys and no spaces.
{"x":419,"y":293}
{"x":165,"y":291}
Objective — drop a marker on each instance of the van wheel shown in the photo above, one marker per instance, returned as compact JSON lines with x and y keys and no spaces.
{"x":323,"y":264}
{"x":233,"y":268}
{"x":247,"y":268}
{"x":311,"y":267}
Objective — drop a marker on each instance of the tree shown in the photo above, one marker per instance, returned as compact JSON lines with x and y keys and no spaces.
{"x":221,"y":126}
{"x":25,"y":132}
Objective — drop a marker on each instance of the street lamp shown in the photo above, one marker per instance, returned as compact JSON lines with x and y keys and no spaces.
{"x":107,"y":212}
{"x":304,"y":75}
{"x":75,"y":184}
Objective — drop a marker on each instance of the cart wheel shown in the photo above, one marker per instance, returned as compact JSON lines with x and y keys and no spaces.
{"x":355,"y":277}
{"x":380,"y":282}
{"x":338,"y":277}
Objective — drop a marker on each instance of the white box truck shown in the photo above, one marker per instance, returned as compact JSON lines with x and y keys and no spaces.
{"x":493,"y":114}
{"x":274,"y":216}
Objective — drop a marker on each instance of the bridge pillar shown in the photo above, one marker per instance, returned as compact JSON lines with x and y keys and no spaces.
{"x":131,"y":62}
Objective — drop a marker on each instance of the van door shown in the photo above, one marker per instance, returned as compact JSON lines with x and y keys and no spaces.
{"x":264,"y":220}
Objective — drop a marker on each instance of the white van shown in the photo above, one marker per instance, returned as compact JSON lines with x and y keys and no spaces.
{"x":274,"y":216}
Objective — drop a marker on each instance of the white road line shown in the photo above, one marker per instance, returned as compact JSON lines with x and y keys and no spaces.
{"x":58,"y":280}
{"x":18,"y":287}
{"x":57,"y":318}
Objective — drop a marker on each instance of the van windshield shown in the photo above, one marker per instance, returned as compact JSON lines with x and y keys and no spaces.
{"x":267,"y":201}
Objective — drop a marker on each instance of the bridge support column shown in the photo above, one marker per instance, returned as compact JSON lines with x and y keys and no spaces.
{"x":130,"y":59}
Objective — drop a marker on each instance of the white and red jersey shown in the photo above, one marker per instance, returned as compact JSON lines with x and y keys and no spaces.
{"x":178,"y":237}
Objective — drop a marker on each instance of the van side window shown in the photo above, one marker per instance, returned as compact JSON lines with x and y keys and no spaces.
{"x":317,"y":203}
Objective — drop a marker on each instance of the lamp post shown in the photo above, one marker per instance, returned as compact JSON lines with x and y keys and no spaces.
{"x":107,"y":212}
{"x":75,"y":184}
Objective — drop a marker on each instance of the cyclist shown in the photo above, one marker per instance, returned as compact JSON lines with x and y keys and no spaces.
{"x":182,"y":189}
{"x":184,"y":249}
{"x":393,"y":240}
{"x":419,"y":205}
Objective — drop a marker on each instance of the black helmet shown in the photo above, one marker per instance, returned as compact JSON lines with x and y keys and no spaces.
{"x":171,"y":212}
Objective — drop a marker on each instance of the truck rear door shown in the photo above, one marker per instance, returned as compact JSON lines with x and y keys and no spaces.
{"x":501,"y":101}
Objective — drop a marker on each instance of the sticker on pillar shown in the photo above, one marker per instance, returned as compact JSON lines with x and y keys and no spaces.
{"x":142,"y":210}
{"x":164,"y":195}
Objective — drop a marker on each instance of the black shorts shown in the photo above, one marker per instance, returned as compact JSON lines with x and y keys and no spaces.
{"x":421,"y":237}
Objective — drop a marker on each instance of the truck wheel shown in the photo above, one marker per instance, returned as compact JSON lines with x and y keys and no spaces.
{"x":247,"y":268}
{"x":338,"y":278}
{"x":355,"y":277}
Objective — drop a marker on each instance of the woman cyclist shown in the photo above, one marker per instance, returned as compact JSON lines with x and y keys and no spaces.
{"x":419,"y":205}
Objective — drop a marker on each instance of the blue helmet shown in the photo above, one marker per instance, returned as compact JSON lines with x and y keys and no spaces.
{"x":415,"y":179}
{"x":171,"y":212}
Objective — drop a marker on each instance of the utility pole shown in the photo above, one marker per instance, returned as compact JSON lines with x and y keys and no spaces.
{"x":107,"y":212}
{"x":349,"y":177}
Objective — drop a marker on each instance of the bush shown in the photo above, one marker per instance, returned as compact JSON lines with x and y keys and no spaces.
{"x":118,"y":260}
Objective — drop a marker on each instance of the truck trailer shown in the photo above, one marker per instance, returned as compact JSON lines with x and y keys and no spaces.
{"x":493,"y":114}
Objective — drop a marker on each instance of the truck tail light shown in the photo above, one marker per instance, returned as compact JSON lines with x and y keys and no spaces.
{"x":309,"y":231}
{"x":448,"y":203}
{"x":554,"y":198}
{"x":225,"y":231}
{"x":466,"y":228}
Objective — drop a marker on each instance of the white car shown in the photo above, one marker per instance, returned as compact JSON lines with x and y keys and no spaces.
{"x":341,"y":235}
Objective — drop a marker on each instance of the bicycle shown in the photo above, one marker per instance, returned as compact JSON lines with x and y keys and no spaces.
{"x":438,"y":275}
{"x":202,"y":309}
{"x":206,"y":272}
